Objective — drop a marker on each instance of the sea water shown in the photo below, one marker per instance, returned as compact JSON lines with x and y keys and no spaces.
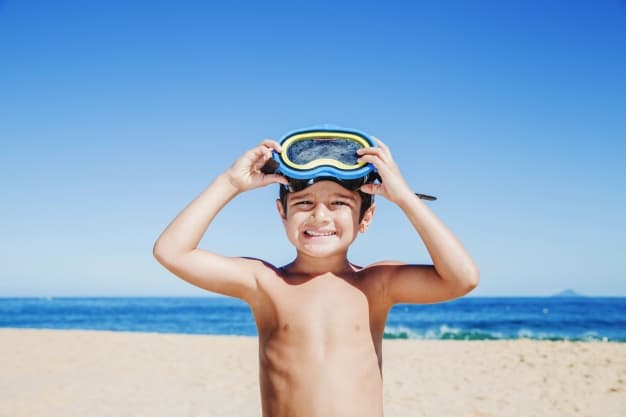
{"x":470,"y":318}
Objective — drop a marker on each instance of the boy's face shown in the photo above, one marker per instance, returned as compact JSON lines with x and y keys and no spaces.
{"x":323,"y":219}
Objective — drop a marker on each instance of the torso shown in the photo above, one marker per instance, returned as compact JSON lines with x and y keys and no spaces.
{"x":320,"y":344}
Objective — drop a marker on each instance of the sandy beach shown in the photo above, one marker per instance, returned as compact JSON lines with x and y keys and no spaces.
{"x":85,"y":373}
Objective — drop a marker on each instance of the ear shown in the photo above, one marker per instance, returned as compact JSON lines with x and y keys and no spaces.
{"x":281,"y":210}
{"x":367,"y":218}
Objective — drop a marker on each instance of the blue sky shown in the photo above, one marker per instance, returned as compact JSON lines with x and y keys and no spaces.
{"x":114,"y":115}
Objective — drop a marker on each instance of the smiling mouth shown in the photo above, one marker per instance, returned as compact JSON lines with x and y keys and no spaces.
{"x":313,"y":233}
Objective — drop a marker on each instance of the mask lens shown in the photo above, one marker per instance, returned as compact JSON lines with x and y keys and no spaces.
{"x":308,"y":150}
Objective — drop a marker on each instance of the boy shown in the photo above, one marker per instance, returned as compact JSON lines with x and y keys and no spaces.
{"x":320,"y":318}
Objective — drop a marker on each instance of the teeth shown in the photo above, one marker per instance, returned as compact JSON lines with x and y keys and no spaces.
{"x":312,"y":233}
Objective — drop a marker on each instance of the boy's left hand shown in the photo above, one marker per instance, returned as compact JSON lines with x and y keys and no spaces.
{"x":393,"y":186}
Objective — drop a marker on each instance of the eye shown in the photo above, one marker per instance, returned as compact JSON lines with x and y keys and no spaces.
{"x":302,"y":203}
{"x":341,"y":203}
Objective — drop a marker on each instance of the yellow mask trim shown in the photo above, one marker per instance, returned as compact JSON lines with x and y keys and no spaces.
{"x":322,"y":161}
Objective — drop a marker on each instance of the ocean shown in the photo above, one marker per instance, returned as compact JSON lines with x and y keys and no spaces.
{"x":470,"y":318}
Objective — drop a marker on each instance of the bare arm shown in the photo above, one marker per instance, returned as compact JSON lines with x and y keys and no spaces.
{"x":177,"y":247}
{"x":453,"y":272}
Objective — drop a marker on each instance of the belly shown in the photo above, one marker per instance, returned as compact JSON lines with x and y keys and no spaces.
{"x":335,"y":377}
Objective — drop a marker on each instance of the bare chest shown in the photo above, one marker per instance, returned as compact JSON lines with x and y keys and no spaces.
{"x":326,"y":308}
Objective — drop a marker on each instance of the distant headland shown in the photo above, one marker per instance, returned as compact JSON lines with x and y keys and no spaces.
{"x":568,"y":293}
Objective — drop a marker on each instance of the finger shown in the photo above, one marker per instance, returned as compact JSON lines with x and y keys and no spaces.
{"x":383,"y":168}
{"x":371,"y":151}
{"x":383,"y":146}
{"x":261,"y":160}
{"x":252,"y":156}
{"x":259,"y":156}
{"x":379,"y":152}
{"x":380,"y":143}
{"x":267,"y":152}
{"x":274,"y":178}
{"x":373,"y":158}
{"x":272,"y":144}
{"x":269,"y":147}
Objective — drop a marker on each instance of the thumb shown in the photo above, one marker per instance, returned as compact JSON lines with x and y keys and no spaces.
{"x":273,"y":178}
{"x":372,"y":188}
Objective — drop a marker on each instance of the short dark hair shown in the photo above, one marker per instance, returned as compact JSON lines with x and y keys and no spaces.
{"x":366,"y":200}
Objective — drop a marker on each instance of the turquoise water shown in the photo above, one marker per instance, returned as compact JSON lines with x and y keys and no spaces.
{"x":472,"y":318}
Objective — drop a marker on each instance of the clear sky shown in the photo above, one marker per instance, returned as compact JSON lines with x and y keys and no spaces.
{"x":114,"y":115}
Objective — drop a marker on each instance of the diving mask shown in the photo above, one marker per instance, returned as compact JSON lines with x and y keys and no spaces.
{"x":324,"y":153}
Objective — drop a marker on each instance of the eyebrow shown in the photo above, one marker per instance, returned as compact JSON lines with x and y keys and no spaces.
{"x":346,"y":196}
{"x":291,"y":196}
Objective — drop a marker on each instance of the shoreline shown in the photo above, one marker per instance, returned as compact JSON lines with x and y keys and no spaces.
{"x":385,"y":339}
{"x":70,"y":373}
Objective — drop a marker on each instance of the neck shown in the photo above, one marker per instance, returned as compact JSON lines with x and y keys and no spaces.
{"x":313,"y":266}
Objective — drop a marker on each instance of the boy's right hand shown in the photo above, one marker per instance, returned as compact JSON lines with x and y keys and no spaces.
{"x":245,"y":174}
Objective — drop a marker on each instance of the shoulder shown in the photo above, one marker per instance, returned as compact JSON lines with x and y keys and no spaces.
{"x":378,"y":275}
{"x":381,"y":268}
{"x":259,"y":266}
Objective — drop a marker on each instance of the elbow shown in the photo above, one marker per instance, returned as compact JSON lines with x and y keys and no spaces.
{"x":462,"y":282}
{"x":157,"y":252}
{"x":161,"y":254}
{"x":465,"y":280}
{"x":471,"y":278}
{"x":168,"y":253}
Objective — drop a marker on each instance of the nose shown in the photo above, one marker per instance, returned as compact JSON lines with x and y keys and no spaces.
{"x":319,"y":213}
